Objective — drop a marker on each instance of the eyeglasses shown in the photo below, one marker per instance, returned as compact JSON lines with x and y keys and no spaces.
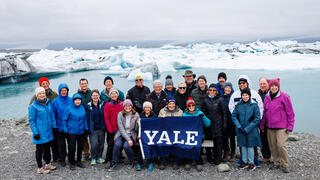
{"x":191,"y":105}
{"x":242,"y":83}
{"x":212,"y":90}
{"x":139,"y":80}
{"x":182,"y":87}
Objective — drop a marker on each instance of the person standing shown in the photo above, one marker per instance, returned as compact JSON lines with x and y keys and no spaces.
{"x":169,"y":89}
{"x":97,"y":127}
{"x":157,"y":97}
{"x":199,"y":93}
{"x":279,"y":120}
{"x":222,"y":79}
{"x":181,"y":96}
{"x":75,"y":125}
{"x":58,"y":107}
{"x":41,"y":120}
{"x":138,"y":93}
{"x":108,"y":83}
{"x":190,"y":82}
{"x":85,"y":94}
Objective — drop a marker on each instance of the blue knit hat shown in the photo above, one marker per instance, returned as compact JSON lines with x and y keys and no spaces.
{"x":171,"y":99}
{"x":108,"y":78}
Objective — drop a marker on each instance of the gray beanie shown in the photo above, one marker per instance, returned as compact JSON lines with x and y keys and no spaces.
{"x":113,"y":90}
{"x":147,"y":104}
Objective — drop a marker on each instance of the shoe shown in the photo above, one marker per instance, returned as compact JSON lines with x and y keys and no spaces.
{"x":72,"y":167}
{"x":216,"y":161}
{"x":113,"y":166}
{"x":93,"y":162}
{"x":239,"y":162}
{"x":187,"y":167}
{"x":251,"y":167}
{"x":84,"y":158}
{"x":285,"y":169}
{"x":43,"y":170}
{"x":150,"y":167}
{"x":62,"y":163}
{"x":50,"y":167}
{"x":243,"y":165}
{"x":232,"y":158}
{"x":162,"y":166}
{"x":175,"y":166}
{"x":138,"y":168}
{"x":100,"y":161}
{"x":199,"y":167}
{"x":267,"y":160}
{"x":273,"y":167}
{"x":225,"y":157}
{"x":131,"y":165}
{"x":108,"y":164}
{"x":257,"y":163}
{"x":80,"y":165}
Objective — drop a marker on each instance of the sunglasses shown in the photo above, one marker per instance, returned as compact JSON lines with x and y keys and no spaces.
{"x":242,"y":83}
{"x":191,"y":105}
{"x":182,"y":87}
{"x":139,"y":80}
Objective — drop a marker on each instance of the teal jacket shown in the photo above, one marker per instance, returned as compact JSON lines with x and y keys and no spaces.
{"x":104,"y":95}
{"x":205,"y":121}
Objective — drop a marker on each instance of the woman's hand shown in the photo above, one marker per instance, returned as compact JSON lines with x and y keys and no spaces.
{"x":163,"y":116}
{"x":138,"y":137}
{"x":130,"y":143}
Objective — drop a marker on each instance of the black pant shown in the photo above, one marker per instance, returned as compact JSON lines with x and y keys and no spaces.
{"x":229,"y":147}
{"x":217,"y":148}
{"x":265,"y":145}
{"x":43,"y":151}
{"x":75,"y":141}
{"x":110,"y":142}
{"x":62,"y":137}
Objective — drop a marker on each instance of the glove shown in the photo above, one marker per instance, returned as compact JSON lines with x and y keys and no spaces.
{"x":201,"y":115}
{"x":242,"y":131}
{"x":36,"y":137}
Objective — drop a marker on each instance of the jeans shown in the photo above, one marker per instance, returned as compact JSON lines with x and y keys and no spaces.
{"x":62,"y":137}
{"x":247,"y":154}
{"x":43,"y":151}
{"x":110,"y":142}
{"x":119,"y":143}
{"x":75,"y":141}
{"x":97,"y":143}
{"x":54,"y":146}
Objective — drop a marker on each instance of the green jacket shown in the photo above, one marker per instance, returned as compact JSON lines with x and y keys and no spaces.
{"x":198,"y":96}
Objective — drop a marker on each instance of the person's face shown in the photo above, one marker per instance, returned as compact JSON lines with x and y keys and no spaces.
{"x":114,"y":96}
{"x":182,"y":88}
{"x":45,"y":85}
{"x":191,"y":107}
{"x":189,"y":79}
{"x":139,"y":82}
{"x":243,"y":85}
{"x":41,"y":96}
{"x":77,"y":102}
{"x":169,"y":87}
{"x":202,"y":83}
{"x":245,"y":97}
{"x":222,"y":81}
{"x":84,"y":85}
{"x":227,"y":90}
{"x":127,"y":108}
{"x":108,"y":84}
{"x":171,"y":106}
{"x":64,"y":92}
{"x":263,"y":85}
{"x":274,"y":88}
{"x":157,"y":88}
{"x":147,"y":110}
{"x":212,"y":91}
{"x":95,"y":97}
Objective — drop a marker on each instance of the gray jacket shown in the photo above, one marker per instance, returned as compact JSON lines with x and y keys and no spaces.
{"x":133,"y":127}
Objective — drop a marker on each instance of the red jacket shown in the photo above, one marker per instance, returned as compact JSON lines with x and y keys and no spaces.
{"x":111,"y":110}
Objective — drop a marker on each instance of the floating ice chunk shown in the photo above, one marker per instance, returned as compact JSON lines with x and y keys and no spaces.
{"x":146,"y":76}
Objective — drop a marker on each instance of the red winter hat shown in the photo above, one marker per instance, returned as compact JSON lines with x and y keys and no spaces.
{"x":43,"y":79}
{"x":190,"y":101}
{"x":274,"y":82}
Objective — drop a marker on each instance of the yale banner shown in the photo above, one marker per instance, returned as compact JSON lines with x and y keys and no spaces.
{"x":179,"y":136}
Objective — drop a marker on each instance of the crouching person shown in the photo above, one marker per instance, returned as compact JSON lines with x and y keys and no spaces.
{"x":246,"y":117}
{"x":126,"y":136}
{"x":76,"y":123}
{"x":41,"y":120}
{"x":97,"y":127}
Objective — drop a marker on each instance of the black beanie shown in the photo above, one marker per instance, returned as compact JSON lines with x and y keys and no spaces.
{"x":213,"y":86}
{"x":202,"y":77}
{"x":247,"y":91}
{"x":107,"y":78}
{"x":222,"y":74}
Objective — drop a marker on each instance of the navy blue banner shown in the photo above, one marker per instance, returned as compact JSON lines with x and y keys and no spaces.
{"x":179,"y":136}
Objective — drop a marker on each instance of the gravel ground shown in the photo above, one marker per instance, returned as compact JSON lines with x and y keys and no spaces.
{"x":17,"y":161}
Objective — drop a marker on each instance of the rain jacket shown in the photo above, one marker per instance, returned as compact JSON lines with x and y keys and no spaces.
{"x":205,"y":121}
{"x":111,"y":110}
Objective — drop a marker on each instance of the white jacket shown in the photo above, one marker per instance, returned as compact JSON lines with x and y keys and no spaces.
{"x":236,"y":97}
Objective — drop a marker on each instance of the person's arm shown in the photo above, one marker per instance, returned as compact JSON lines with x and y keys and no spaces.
{"x":231,"y":103}
{"x":121,"y":95}
{"x":260,"y":104}
{"x":256,"y":120}
{"x":107,"y":119}
{"x":32,"y":120}
{"x":206,"y":121}
{"x":53,"y":118}
{"x":263,"y":120}
{"x":235,"y":119}
{"x":65,"y":119}
{"x":290,"y":113}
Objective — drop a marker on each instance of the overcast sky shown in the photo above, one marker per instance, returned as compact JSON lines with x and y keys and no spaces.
{"x":39,"y":21}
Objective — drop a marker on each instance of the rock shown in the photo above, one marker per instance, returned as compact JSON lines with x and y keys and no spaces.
{"x":293,"y":137}
{"x":13,"y":152}
{"x":3,"y":138}
{"x":223,"y":168}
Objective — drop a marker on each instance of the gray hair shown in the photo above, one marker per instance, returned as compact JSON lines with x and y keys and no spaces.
{"x":157,"y":82}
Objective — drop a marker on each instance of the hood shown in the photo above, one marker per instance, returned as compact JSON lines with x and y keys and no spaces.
{"x":63,"y":86}
{"x":76,"y":96}
{"x":245,"y":77}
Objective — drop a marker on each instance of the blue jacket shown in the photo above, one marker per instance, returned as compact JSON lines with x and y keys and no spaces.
{"x":41,"y":120}
{"x":205,"y":121}
{"x":247,"y":115}
{"x":59,"y":105}
{"x":75,"y":117}
{"x":91,"y":120}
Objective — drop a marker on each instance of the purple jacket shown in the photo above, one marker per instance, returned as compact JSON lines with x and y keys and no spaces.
{"x":278,"y":113}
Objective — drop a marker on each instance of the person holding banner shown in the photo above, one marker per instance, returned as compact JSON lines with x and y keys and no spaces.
{"x":192,"y":110}
{"x":126,"y":136}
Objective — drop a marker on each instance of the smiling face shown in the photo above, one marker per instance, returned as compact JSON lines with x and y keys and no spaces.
{"x":147,"y":110}
{"x":227,"y":90}
{"x":222,"y":81}
{"x":274,"y":89}
{"x":139,"y":83}
{"x":64,"y":92}
{"x":114,"y":96}
{"x":83,"y":85}
{"x":77,"y":102}
{"x":182,"y":88}
{"x":202,"y":84}
{"x":157,"y":88}
{"x":108,"y":84}
{"x":189,"y":79}
{"x":45,"y":85}
{"x":263,"y":84}
{"x":245,"y":97}
{"x":95,"y":97}
{"x":212,"y":91}
{"x":191,"y":108}
{"x":169,"y":87}
{"x":41,"y":96}
{"x":127,"y":108}
{"x":171,"y":105}
{"x":242,"y":85}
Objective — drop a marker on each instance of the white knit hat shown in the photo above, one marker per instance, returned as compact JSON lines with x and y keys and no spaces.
{"x":147,"y":104}
{"x":39,"y":90}
{"x":113,"y":90}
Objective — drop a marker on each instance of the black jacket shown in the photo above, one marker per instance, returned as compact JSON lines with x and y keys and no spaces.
{"x":230,"y":130}
{"x":157,"y":104}
{"x":198,"y":96}
{"x":215,"y":110}
{"x":181,"y":100}
{"x":143,"y":115}
{"x":138,"y":96}
{"x":191,"y":87}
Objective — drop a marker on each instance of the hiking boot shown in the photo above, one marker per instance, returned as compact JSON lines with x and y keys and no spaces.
{"x":162,"y":166}
{"x":243,"y":165}
{"x":138,"y":168}
{"x":72,"y":167}
{"x":175,"y":166}
{"x":273,"y":167}
{"x":62,"y":164}
{"x":100,"y":161}
{"x":113,"y":166}
{"x":199,"y":167}
{"x":131,"y":165}
{"x":225,"y":157}
{"x":257,"y":163}
{"x":150,"y":167}
{"x":187,"y":167}
{"x":251,"y":167}
{"x":84,"y":158}
{"x":239,"y":162}
{"x":50,"y":167}
{"x":232,"y":158}
{"x":93,"y":162}
{"x":43,"y":170}
{"x":108,"y":164}
{"x":285,"y":169}
{"x":80,"y":165}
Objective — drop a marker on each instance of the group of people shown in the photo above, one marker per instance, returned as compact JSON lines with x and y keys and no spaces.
{"x":62,"y":124}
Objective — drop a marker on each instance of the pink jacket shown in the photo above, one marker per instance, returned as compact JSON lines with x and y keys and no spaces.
{"x":278,"y":113}
{"x":111,"y":111}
